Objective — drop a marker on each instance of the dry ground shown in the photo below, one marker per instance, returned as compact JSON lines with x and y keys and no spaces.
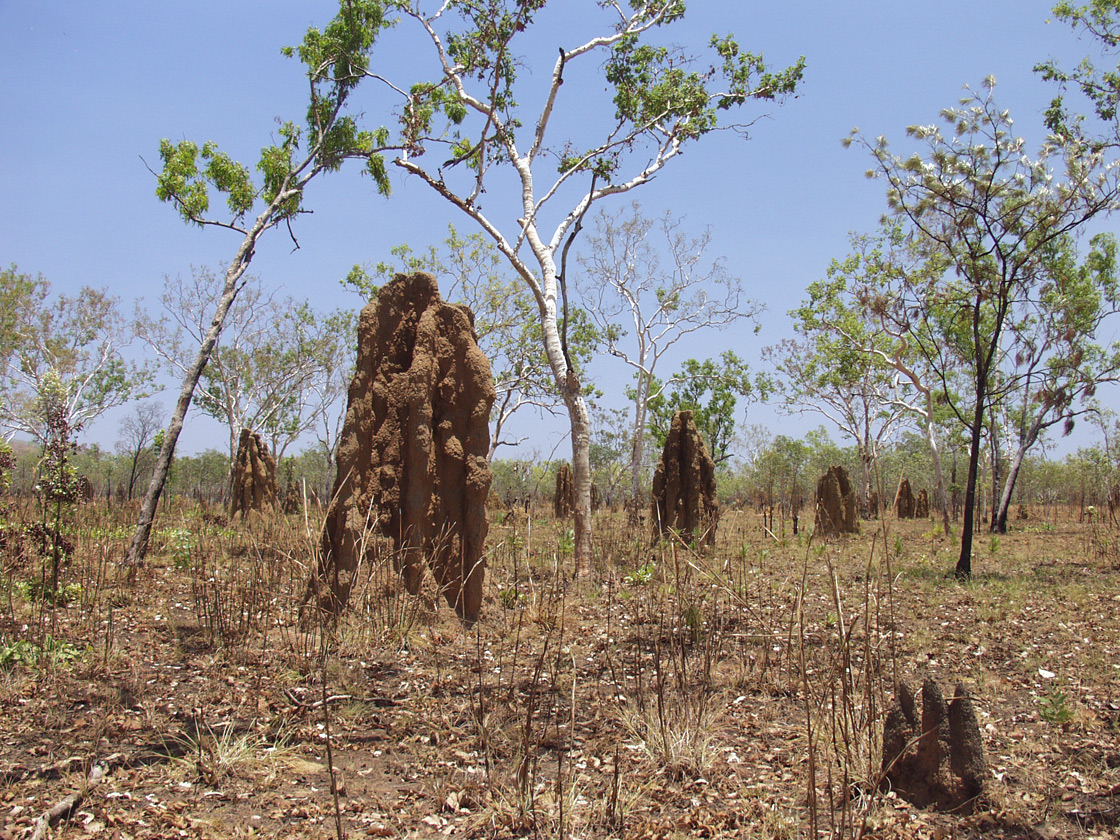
{"x":664,"y":694}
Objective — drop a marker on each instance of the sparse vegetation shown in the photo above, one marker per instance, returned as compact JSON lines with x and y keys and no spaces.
{"x":737,"y":692}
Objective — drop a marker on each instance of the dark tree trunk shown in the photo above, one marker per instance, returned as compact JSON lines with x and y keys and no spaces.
{"x":139,"y":547}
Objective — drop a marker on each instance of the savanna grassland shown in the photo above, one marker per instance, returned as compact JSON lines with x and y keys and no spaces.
{"x":666,"y":693}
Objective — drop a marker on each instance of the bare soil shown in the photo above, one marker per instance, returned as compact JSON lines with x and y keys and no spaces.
{"x":738,"y":692}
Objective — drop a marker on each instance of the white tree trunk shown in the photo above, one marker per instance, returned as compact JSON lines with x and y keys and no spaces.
{"x":571,"y":389}
{"x":637,"y":452}
{"x":581,"y":480}
{"x":940,"y":496}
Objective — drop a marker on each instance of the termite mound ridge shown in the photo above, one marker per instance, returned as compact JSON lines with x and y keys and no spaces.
{"x":921,"y":505}
{"x":904,"y":503}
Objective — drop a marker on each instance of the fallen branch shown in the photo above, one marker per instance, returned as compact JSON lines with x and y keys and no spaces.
{"x":65,"y":806}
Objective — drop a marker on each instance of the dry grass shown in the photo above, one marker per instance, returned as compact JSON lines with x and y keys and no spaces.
{"x":669,"y":694}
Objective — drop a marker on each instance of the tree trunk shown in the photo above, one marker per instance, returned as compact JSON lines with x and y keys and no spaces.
{"x":132,"y":473}
{"x":995,"y":446}
{"x":999,"y":522}
{"x":581,"y":480}
{"x":499,"y":422}
{"x":571,"y":390}
{"x":637,"y":452}
{"x":865,"y":460}
{"x":139,"y":548}
{"x":964,"y":562}
{"x":940,"y":496}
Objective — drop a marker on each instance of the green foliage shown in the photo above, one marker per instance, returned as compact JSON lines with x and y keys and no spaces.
{"x":181,"y":544}
{"x":335,"y":59}
{"x":64,"y":352}
{"x":21,"y":299}
{"x":1100,"y":19}
{"x":722,"y":382}
{"x":643,"y":574}
{"x":611,"y":449}
{"x":844,"y":363}
{"x":654,"y":87}
{"x":994,"y":218}
{"x":512,"y":479}
{"x":780,"y":472}
{"x":509,"y":598}
{"x":1054,"y":708}
{"x":7,"y":464}
{"x":27,"y":654}
{"x":565,"y":542}
{"x":37,"y":590}
{"x":203,"y":475}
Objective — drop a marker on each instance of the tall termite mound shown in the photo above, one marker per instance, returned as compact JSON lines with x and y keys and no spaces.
{"x":412,"y":466}
{"x":837,"y":505}
{"x":921,"y":505}
{"x":684,"y":485}
{"x":254,"y":476}
{"x":84,"y":489}
{"x":562,"y":500}
{"x":935,"y":758}
{"x":904,"y":500}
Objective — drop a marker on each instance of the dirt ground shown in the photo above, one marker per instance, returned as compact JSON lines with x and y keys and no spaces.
{"x":667,"y":693}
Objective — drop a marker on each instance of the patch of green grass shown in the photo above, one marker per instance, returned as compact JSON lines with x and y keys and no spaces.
{"x":37,"y":590}
{"x":30,"y":655}
{"x":643,"y":574}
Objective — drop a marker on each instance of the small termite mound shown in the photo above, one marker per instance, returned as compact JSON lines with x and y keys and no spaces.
{"x":254,"y":476}
{"x":837,"y":504}
{"x":935,"y":758}
{"x":562,"y":500}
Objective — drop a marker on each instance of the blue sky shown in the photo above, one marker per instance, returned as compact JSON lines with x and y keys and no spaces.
{"x":88,"y":90}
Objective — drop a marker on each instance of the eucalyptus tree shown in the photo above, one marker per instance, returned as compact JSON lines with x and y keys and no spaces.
{"x":21,"y":297}
{"x":281,"y":368}
{"x":65,"y":357}
{"x":854,"y":308}
{"x":525,"y":176}
{"x":976,"y":199}
{"x":837,"y":367}
{"x":657,"y":280}
{"x":711,"y":390}
{"x":611,"y":447}
{"x":1056,"y":361}
{"x":335,"y":60}
{"x":138,"y":431}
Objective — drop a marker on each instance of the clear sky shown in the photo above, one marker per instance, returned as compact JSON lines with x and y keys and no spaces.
{"x":89,"y":89}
